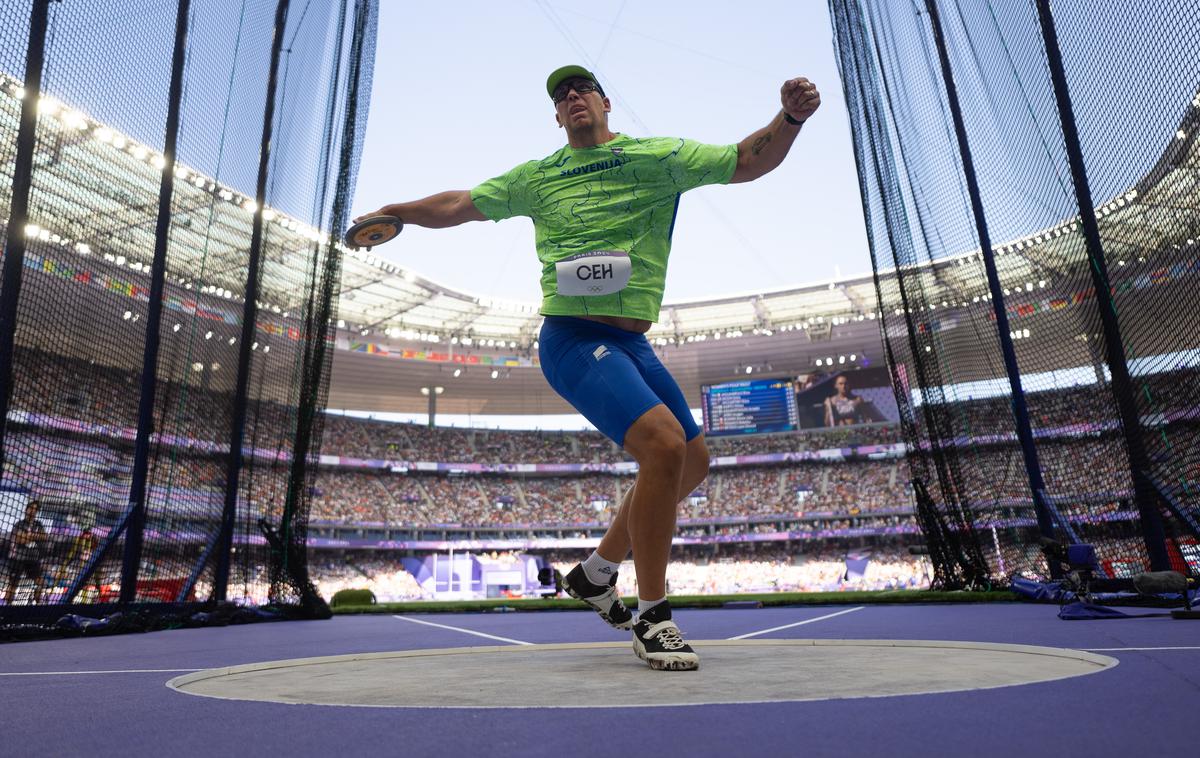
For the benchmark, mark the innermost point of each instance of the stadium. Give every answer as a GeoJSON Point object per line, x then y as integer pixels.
{"type": "Point", "coordinates": [183, 342]}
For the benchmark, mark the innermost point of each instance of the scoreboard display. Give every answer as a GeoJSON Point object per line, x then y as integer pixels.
{"type": "Point", "coordinates": [753, 406]}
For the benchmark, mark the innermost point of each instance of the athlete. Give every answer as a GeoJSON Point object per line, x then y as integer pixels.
{"type": "Point", "coordinates": [843, 408]}
{"type": "Point", "coordinates": [603, 209]}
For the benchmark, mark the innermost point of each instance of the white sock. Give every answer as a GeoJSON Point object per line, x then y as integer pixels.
{"type": "Point", "coordinates": [645, 605]}
{"type": "Point", "coordinates": [598, 570]}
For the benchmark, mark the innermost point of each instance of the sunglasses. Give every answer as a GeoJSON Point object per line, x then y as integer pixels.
{"type": "Point", "coordinates": [583, 87]}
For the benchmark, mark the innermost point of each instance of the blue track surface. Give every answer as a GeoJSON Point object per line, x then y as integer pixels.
{"type": "Point", "coordinates": [1144, 706]}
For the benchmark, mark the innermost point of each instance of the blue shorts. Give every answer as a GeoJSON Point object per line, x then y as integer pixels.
{"type": "Point", "coordinates": [609, 375]}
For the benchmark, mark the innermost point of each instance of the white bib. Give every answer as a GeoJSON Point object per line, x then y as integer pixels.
{"type": "Point", "coordinates": [600, 272]}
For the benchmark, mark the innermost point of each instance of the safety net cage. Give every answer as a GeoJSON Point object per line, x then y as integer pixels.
{"type": "Point", "coordinates": [173, 176]}
{"type": "Point", "coordinates": [1029, 183]}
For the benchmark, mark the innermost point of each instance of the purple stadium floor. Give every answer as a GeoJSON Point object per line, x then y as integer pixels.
{"type": "Point", "coordinates": [107, 696]}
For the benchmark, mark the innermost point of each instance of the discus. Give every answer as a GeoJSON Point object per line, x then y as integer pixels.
{"type": "Point", "coordinates": [373, 230]}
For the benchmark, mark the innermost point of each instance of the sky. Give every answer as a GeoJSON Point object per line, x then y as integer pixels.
{"type": "Point", "coordinates": [459, 96]}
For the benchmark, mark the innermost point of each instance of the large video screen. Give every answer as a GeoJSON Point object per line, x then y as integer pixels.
{"type": "Point", "coordinates": [846, 398]}
{"type": "Point", "coordinates": [753, 406]}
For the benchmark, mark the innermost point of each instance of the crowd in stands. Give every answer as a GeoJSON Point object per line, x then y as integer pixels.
{"type": "Point", "coordinates": [107, 397]}
{"type": "Point", "coordinates": [816, 439]}
{"type": "Point", "coordinates": [776, 570]}
{"type": "Point", "coordinates": [84, 466]}
{"type": "Point", "coordinates": [1084, 475]}
{"type": "Point", "coordinates": [737, 569]}
{"type": "Point", "coordinates": [502, 500]}
{"type": "Point", "coordinates": [84, 477]}
{"type": "Point", "coordinates": [89, 391]}
{"type": "Point", "coordinates": [1075, 469]}
{"type": "Point", "coordinates": [351, 497]}
{"type": "Point", "coordinates": [868, 486]}
{"type": "Point", "coordinates": [1161, 393]}
{"type": "Point", "coordinates": [1048, 410]}
{"type": "Point", "coordinates": [884, 564]}
{"type": "Point", "coordinates": [572, 500]}
{"type": "Point", "coordinates": [748, 492]}
{"type": "Point", "coordinates": [353, 437]}
{"type": "Point", "coordinates": [499, 446]}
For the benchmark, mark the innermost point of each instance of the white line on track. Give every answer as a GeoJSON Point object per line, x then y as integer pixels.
{"type": "Point", "coordinates": [1119, 649]}
{"type": "Point", "coordinates": [464, 631]}
{"type": "Point", "coordinates": [109, 671]}
{"type": "Point", "coordinates": [798, 623]}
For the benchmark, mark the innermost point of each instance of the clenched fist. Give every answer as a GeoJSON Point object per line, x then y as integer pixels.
{"type": "Point", "coordinates": [800, 98]}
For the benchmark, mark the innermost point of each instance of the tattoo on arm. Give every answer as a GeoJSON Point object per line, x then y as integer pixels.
{"type": "Point", "coordinates": [760, 143]}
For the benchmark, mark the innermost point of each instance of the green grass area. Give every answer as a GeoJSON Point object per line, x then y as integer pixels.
{"type": "Point", "coordinates": [690, 601]}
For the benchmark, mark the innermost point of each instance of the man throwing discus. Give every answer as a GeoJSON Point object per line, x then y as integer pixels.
{"type": "Point", "coordinates": [603, 209]}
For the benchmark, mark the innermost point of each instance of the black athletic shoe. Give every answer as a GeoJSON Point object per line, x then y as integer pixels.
{"type": "Point", "coordinates": [657, 641]}
{"type": "Point", "coordinates": [603, 598]}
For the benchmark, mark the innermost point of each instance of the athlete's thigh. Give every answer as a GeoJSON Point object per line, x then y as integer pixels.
{"type": "Point", "coordinates": [598, 379]}
{"type": "Point", "coordinates": [666, 389]}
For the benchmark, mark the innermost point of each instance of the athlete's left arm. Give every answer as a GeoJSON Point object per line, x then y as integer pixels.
{"type": "Point", "coordinates": [766, 148]}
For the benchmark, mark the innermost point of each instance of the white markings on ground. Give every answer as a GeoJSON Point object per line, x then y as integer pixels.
{"type": "Point", "coordinates": [1119, 649]}
{"type": "Point", "coordinates": [798, 623]}
{"type": "Point", "coordinates": [460, 629]}
{"type": "Point", "coordinates": [108, 671]}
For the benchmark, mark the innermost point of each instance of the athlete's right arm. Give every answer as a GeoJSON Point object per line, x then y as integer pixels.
{"type": "Point", "coordinates": [438, 211]}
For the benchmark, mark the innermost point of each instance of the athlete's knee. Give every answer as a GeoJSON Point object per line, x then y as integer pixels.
{"type": "Point", "coordinates": [665, 449]}
{"type": "Point", "coordinates": [657, 440]}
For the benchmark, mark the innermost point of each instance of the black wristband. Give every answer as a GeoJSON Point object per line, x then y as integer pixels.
{"type": "Point", "coordinates": [788, 118]}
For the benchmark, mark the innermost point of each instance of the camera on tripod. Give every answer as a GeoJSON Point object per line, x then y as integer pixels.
{"type": "Point", "coordinates": [1077, 563]}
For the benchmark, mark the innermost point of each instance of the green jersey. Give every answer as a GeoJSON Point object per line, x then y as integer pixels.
{"type": "Point", "coordinates": [603, 218]}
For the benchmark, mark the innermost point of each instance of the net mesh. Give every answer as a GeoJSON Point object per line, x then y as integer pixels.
{"type": "Point", "coordinates": [211, 525]}
{"type": "Point", "coordinates": [1133, 85]}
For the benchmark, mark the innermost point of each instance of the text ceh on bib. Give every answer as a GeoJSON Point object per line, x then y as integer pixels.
{"type": "Point", "coordinates": [600, 272]}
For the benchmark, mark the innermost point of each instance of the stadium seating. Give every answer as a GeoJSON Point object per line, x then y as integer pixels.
{"type": "Point", "coordinates": [93, 458]}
